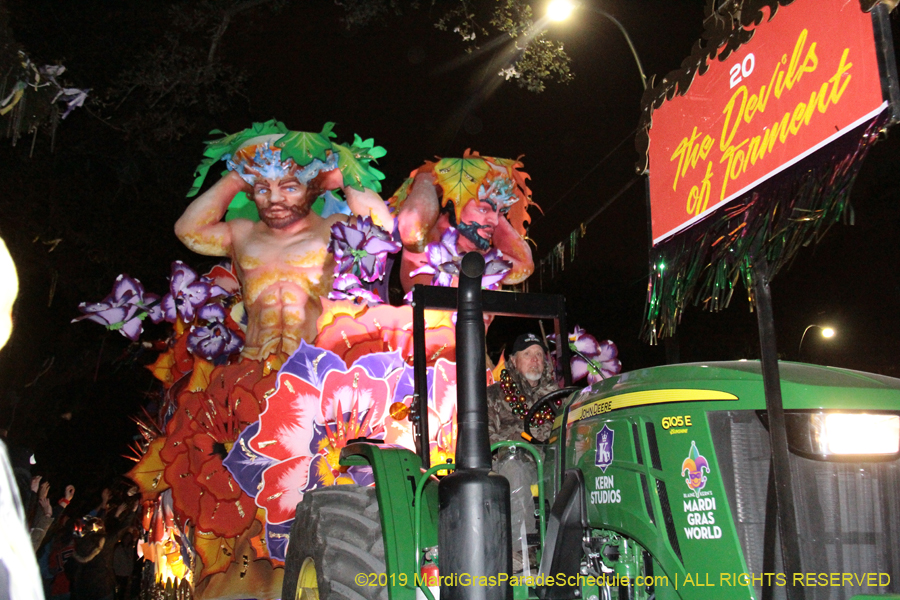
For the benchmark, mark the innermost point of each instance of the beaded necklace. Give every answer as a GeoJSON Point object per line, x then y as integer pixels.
{"type": "Point", "coordinates": [516, 400]}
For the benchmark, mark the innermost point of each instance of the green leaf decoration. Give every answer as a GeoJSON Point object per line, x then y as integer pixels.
{"type": "Point", "coordinates": [355, 164]}
{"type": "Point", "coordinates": [459, 179]}
{"type": "Point", "coordinates": [217, 149]}
{"type": "Point", "coordinates": [327, 131]}
{"type": "Point", "coordinates": [367, 148]}
{"type": "Point", "coordinates": [303, 147]}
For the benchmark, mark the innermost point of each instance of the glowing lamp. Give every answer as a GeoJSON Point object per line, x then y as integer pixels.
{"type": "Point", "coordinates": [399, 411]}
{"type": "Point", "coordinates": [560, 10]}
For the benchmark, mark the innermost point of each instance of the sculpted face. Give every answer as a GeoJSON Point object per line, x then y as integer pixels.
{"type": "Point", "coordinates": [529, 362]}
{"type": "Point", "coordinates": [281, 201]}
{"type": "Point", "coordinates": [477, 222]}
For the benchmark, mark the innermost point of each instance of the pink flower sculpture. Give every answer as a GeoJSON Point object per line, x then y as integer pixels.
{"type": "Point", "coordinates": [318, 407]}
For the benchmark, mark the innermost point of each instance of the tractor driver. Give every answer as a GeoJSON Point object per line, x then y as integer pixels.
{"type": "Point", "coordinates": [528, 377]}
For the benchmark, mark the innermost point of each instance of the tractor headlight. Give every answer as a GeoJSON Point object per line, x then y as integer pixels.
{"type": "Point", "coordinates": [841, 436]}
{"type": "Point", "coordinates": [860, 433]}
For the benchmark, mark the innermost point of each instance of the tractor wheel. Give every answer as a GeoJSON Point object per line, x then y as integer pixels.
{"type": "Point", "coordinates": [336, 544]}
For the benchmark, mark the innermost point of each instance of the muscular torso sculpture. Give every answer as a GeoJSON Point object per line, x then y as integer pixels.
{"type": "Point", "coordinates": [282, 260]}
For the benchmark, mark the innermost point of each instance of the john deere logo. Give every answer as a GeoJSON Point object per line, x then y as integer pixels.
{"type": "Point", "coordinates": [604, 456]}
{"type": "Point", "coordinates": [694, 465]}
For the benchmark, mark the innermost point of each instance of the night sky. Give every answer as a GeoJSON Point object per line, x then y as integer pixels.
{"type": "Point", "coordinates": [112, 198]}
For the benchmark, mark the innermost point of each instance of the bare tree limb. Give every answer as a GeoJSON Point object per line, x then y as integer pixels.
{"type": "Point", "coordinates": [226, 20]}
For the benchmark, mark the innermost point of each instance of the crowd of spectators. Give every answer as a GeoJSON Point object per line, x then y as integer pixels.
{"type": "Point", "coordinates": [85, 550]}
{"type": "Point", "coordinates": [83, 555]}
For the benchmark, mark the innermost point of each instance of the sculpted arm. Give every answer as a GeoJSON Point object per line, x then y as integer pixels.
{"type": "Point", "coordinates": [516, 250]}
{"type": "Point", "coordinates": [366, 203]}
{"type": "Point", "coordinates": [419, 213]}
{"type": "Point", "coordinates": [200, 228]}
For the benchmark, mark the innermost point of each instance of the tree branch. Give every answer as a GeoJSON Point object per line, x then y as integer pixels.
{"type": "Point", "coordinates": [226, 20]}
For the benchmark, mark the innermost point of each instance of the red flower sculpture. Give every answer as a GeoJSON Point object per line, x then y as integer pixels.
{"type": "Point", "coordinates": [199, 436]}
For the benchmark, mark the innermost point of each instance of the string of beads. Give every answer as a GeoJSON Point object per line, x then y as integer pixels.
{"type": "Point", "coordinates": [517, 403]}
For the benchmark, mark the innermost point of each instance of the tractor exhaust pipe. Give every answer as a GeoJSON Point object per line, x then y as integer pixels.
{"type": "Point", "coordinates": [474, 538]}
{"type": "Point", "coordinates": [473, 447]}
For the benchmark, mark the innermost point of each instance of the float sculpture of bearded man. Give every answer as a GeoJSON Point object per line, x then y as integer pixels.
{"type": "Point", "coordinates": [281, 260]}
{"type": "Point", "coordinates": [484, 199]}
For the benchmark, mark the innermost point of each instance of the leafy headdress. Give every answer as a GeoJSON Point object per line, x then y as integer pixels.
{"type": "Point", "coordinates": [474, 177]}
{"type": "Point", "coordinates": [272, 146]}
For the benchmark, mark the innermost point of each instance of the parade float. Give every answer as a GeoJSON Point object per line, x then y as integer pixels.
{"type": "Point", "coordinates": [289, 348]}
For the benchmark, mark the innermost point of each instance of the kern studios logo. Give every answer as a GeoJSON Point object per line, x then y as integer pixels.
{"type": "Point", "coordinates": [693, 465]}
{"type": "Point", "coordinates": [604, 456]}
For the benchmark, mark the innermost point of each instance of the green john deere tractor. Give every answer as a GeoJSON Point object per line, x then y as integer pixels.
{"type": "Point", "coordinates": [655, 484]}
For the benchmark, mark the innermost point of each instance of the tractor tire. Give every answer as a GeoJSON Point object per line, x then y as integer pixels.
{"type": "Point", "coordinates": [336, 543]}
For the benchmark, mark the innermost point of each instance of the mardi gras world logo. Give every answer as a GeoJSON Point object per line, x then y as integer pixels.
{"type": "Point", "coordinates": [693, 465]}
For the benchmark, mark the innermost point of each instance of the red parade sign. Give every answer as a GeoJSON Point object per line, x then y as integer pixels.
{"type": "Point", "coordinates": [806, 77]}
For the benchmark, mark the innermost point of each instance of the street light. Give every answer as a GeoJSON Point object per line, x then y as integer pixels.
{"type": "Point", "coordinates": [827, 332]}
{"type": "Point", "coordinates": [560, 10]}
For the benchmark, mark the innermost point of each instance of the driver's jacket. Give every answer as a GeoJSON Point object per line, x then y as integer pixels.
{"type": "Point", "coordinates": [502, 423]}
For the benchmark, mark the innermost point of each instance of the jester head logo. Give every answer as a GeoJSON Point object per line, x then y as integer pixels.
{"type": "Point", "coordinates": [694, 465]}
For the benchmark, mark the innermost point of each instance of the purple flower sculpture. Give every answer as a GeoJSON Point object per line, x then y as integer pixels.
{"type": "Point", "coordinates": [361, 249]}
{"type": "Point", "coordinates": [349, 287]}
{"type": "Point", "coordinates": [495, 269]}
{"type": "Point", "coordinates": [444, 260]}
{"type": "Point", "coordinates": [187, 293]}
{"type": "Point", "coordinates": [214, 339]}
{"type": "Point", "coordinates": [596, 360]}
{"type": "Point", "coordinates": [124, 308]}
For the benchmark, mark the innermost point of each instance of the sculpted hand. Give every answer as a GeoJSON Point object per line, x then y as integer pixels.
{"type": "Point", "coordinates": [331, 180]}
